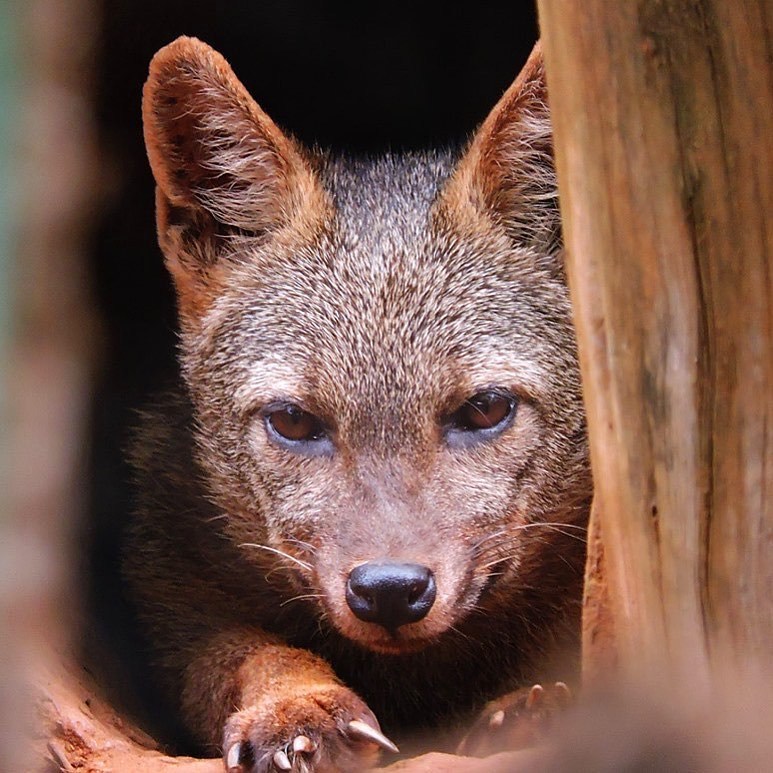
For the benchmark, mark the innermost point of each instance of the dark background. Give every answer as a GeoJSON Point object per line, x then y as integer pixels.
{"type": "Point", "coordinates": [361, 78]}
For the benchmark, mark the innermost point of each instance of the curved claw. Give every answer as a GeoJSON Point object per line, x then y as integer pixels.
{"type": "Point", "coordinates": [232, 758]}
{"type": "Point", "coordinates": [304, 745]}
{"type": "Point", "coordinates": [564, 694]}
{"type": "Point", "coordinates": [535, 696]}
{"type": "Point", "coordinates": [496, 720]}
{"type": "Point", "coordinates": [282, 761]}
{"type": "Point", "coordinates": [364, 731]}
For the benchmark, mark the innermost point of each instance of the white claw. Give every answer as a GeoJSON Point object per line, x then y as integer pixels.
{"type": "Point", "coordinates": [535, 695]}
{"type": "Point", "coordinates": [232, 758]}
{"type": "Point", "coordinates": [496, 719]}
{"type": "Point", "coordinates": [303, 745]}
{"type": "Point", "coordinates": [364, 731]}
{"type": "Point", "coordinates": [563, 689]}
{"type": "Point", "coordinates": [282, 761]}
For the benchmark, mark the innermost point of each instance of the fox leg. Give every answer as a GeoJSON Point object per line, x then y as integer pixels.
{"type": "Point", "coordinates": [272, 707]}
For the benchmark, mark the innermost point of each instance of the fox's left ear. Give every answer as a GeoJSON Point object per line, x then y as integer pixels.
{"type": "Point", "coordinates": [508, 171]}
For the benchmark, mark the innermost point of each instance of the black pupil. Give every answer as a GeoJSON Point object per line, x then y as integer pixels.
{"type": "Point", "coordinates": [294, 424]}
{"type": "Point", "coordinates": [484, 411]}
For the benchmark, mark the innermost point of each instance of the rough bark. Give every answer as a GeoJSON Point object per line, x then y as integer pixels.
{"type": "Point", "coordinates": [82, 732]}
{"type": "Point", "coordinates": [663, 118]}
{"type": "Point", "coordinates": [599, 645]}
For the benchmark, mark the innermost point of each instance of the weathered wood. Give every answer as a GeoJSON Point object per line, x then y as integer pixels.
{"type": "Point", "coordinates": [82, 732]}
{"type": "Point", "coordinates": [663, 117]}
{"type": "Point", "coordinates": [599, 643]}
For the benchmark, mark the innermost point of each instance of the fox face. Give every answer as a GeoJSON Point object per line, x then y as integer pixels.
{"type": "Point", "coordinates": [379, 353]}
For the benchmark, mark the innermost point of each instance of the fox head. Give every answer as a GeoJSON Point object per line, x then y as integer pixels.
{"type": "Point", "coordinates": [379, 352]}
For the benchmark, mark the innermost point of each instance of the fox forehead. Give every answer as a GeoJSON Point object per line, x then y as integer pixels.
{"type": "Point", "coordinates": [383, 339]}
{"type": "Point", "coordinates": [382, 246]}
{"type": "Point", "coordinates": [385, 201]}
{"type": "Point", "coordinates": [277, 377]}
{"type": "Point", "coordinates": [388, 300]}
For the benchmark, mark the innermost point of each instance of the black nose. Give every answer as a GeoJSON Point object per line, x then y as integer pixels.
{"type": "Point", "coordinates": [389, 593]}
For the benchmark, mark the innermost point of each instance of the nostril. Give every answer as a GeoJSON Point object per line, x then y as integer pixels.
{"type": "Point", "coordinates": [418, 591]}
{"type": "Point", "coordinates": [390, 594]}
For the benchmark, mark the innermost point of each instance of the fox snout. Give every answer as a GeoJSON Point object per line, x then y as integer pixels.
{"type": "Point", "coordinates": [393, 598]}
{"type": "Point", "coordinates": [390, 594]}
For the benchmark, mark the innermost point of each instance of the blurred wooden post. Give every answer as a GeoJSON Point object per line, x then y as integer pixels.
{"type": "Point", "coordinates": [12, 699]}
{"type": "Point", "coordinates": [663, 117]}
{"type": "Point", "coordinates": [51, 339]}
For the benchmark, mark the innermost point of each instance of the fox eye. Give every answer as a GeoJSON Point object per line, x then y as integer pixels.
{"type": "Point", "coordinates": [482, 416]}
{"type": "Point", "coordinates": [295, 428]}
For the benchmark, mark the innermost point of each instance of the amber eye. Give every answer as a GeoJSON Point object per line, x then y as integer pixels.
{"type": "Point", "coordinates": [484, 414]}
{"type": "Point", "coordinates": [289, 422]}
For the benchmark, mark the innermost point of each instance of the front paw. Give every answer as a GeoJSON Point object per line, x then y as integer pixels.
{"type": "Point", "coordinates": [327, 728]}
{"type": "Point", "coordinates": [515, 721]}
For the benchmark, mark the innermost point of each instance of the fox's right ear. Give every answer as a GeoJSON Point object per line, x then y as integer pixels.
{"type": "Point", "coordinates": [221, 164]}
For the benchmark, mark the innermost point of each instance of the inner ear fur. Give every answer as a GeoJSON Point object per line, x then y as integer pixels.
{"type": "Point", "coordinates": [508, 170]}
{"type": "Point", "coordinates": [220, 163]}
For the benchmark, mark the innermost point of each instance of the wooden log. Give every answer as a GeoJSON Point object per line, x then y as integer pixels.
{"type": "Point", "coordinates": [82, 732]}
{"type": "Point", "coordinates": [79, 731]}
{"type": "Point", "coordinates": [663, 119]}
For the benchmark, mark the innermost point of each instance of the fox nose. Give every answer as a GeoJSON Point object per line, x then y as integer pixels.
{"type": "Point", "coordinates": [390, 594]}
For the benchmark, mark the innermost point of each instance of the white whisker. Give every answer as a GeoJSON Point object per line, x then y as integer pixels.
{"type": "Point", "coordinates": [303, 596]}
{"type": "Point", "coordinates": [557, 527]}
{"type": "Point", "coordinates": [479, 544]}
{"type": "Point", "coordinates": [306, 545]}
{"type": "Point", "coordinates": [308, 567]}
{"type": "Point", "coordinates": [500, 560]}
{"type": "Point", "coordinates": [561, 528]}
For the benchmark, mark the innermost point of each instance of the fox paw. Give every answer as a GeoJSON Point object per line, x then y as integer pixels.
{"type": "Point", "coordinates": [329, 729]}
{"type": "Point", "coordinates": [515, 721]}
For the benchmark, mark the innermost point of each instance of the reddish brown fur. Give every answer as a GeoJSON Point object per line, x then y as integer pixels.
{"type": "Point", "coordinates": [379, 295]}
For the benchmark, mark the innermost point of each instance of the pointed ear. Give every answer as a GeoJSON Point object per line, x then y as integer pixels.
{"type": "Point", "coordinates": [222, 167]}
{"type": "Point", "coordinates": [507, 170]}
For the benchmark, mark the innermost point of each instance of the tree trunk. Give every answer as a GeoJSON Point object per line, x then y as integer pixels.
{"type": "Point", "coordinates": [663, 119]}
